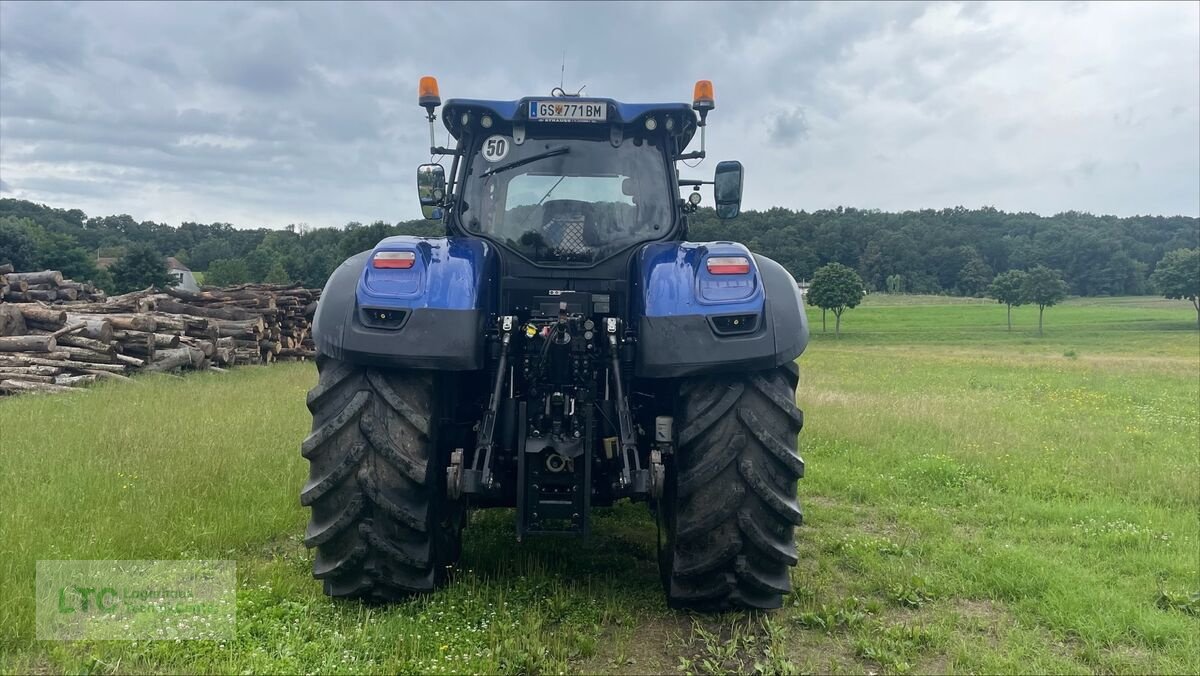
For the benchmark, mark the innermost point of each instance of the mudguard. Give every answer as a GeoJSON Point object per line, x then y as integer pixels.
{"type": "Point", "coordinates": [429, 315]}
{"type": "Point", "coordinates": [692, 321]}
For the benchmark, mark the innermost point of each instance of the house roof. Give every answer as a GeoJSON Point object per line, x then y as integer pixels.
{"type": "Point", "coordinates": [174, 264]}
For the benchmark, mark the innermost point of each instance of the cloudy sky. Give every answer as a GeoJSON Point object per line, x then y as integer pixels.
{"type": "Point", "coordinates": [273, 114]}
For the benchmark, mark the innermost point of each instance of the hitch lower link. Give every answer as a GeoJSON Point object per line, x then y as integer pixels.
{"type": "Point", "coordinates": [479, 478]}
{"type": "Point", "coordinates": [633, 480]}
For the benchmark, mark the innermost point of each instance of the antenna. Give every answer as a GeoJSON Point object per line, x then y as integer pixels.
{"type": "Point", "coordinates": [562, 77]}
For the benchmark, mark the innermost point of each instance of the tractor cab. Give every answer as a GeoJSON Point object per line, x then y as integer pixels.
{"type": "Point", "coordinates": [565, 180]}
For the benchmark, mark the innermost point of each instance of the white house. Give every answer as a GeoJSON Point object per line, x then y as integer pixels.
{"type": "Point", "coordinates": [187, 281]}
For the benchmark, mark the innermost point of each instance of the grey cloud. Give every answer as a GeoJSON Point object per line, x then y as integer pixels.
{"type": "Point", "coordinates": [788, 127]}
{"type": "Point", "coordinates": [275, 113]}
{"type": "Point", "coordinates": [48, 34]}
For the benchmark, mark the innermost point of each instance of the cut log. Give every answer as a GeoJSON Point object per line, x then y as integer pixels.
{"type": "Point", "coordinates": [173, 306]}
{"type": "Point", "coordinates": [6, 268]}
{"type": "Point", "coordinates": [134, 301]}
{"type": "Point", "coordinates": [170, 323]}
{"type": "Point", "coordinates": [159, 339]}
{"type": "Point", "coordinates": [87, 343]}
{"type": "Point", "coordinates": [126, 322]}
{"type": "Point", "coordinates": [168, 360]}
{"type": "Point", "coordinates": [52, 277]}
{"type": "Point", "coordinates": [43, 295]}
{"type": "Point", "coordinates": [26, 377]}
{"type": "Point", "coordinates": [206, 347]}
{"type": "Point", "coordinates": [34, 312]}
{"type": "Point", "coordinates": [105, 375]}
{"type": "Point", "coordinates": [27, 344]}
{"type": "Point", "coordinates": [12, 322]}
{"type": "Point", "coordinates": [72, 328]}
{"type": "Point", "coordinates": [96, 328]}
{"type": "Point", "coordinates": [84, 354]}
{"type": "Point", "coordinates": [37, 388]}
{"type": "Point", "coordinates": [75, 381]}
{"type": "Point", "coordinates": [61, 362]}
{"type": "Point", "coordinates": [249, 327]}
{"type": "Point", "coordinates": [298, 353]}
{"type": "Point", "coordinates": [139, 345]}
{"type": "Point", "coordinates": [29, 370]}
{"type": "Point", "coordinates": [132, 361]}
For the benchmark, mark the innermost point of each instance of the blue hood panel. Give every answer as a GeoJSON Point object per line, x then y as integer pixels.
{"type": "Point", "coordinates": [675, 281]}
{"type": "Point", "coordinates": [450, 273]}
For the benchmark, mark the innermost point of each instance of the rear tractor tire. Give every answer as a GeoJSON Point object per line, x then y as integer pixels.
{"type": "Point", "coordinates": [729, 510]}
{"type": "Point", "coordinates": [380, 521]}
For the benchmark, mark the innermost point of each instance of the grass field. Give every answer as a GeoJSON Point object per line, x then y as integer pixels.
{"type": "Point", "coordinates": [976, 501]}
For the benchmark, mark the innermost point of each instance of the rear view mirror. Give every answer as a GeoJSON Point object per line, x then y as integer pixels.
{"type": "Point", "coordinates": [431, 189]}
{"type": "Point", "coordinates": [727, 188]}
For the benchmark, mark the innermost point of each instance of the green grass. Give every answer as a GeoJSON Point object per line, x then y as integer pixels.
{"type": "Point", "coordinates": [976, 501]}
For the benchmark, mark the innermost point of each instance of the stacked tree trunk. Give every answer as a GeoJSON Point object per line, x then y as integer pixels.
{"type": "Point", "coordinates": [51, 347]}
{"type": "Point", "coordinates": [271, 320]}
{"type": "Point", "coordinates": [45, 286]}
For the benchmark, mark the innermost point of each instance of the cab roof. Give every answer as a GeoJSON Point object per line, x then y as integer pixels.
{"type": "Point", "coordinates": [683, 118]}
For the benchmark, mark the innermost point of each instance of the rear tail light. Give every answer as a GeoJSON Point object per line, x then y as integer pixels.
{"type": "Point", "coordinates": [402, 260]}
{"type": "Point", "coordinates": [729, 265]}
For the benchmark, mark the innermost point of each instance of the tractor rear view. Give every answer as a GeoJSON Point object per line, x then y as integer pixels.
{"type": "Point", "coordinates": [561, 348]}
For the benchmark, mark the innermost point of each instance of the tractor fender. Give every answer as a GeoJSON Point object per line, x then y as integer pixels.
{"type": "Point", "coordinates": [429, 315]}
{"type": "Point", "coordinates": [686, 315]}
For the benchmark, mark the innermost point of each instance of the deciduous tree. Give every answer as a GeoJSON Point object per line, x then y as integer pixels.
{"type": "Point", "coordinates": [140, 267]}
{"type": "Point", "coordinates": [1043, 287]}
{"type": "Point", "coordinates": [1178, 276]}
{"type": "Point", "coordinates": [1006, 288]}
{"type": "Point", "coordinates": [226, 272]}
{"type": "Point", "coordinates": [837, 288]}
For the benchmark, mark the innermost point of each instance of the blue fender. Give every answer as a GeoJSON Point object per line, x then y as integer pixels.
{"type": "Point", "coordinates": [691, 321]}
{"type": "Point", "coordinates": [430, 315]}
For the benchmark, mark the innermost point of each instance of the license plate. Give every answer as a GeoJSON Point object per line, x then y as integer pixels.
{"type": "Point", "coordinates": [568, 111]}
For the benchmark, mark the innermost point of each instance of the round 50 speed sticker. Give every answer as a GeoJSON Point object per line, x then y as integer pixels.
{"type": "Point", "coordinates": [495, 148]}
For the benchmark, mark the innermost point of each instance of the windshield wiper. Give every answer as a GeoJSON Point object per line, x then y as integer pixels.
{"type": "Point", "coordinates": [560, 150]}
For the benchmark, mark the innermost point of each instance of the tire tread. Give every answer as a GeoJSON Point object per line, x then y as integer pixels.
{"type": "Point", "coordinates": [735, 507]}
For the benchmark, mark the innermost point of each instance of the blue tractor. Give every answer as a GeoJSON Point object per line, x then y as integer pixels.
{"type": "Point", "coordinates": [560, 348]}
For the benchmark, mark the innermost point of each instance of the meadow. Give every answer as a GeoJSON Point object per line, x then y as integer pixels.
{"type": "Point", "coordinates": [976, 500]}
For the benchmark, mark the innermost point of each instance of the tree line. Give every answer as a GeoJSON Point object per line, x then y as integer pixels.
{"type": "Point", "coordinates": [959, 251]}
{"type": "Point", "coordinates": [837, 288]}
{"type": "Point", "coordinates": [948, 251]}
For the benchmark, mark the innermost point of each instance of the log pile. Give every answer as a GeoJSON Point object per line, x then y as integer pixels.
{"type": "Point", "coordinates": [52, 347]}
{"type": "Point", "coordinates": [45, 286]}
